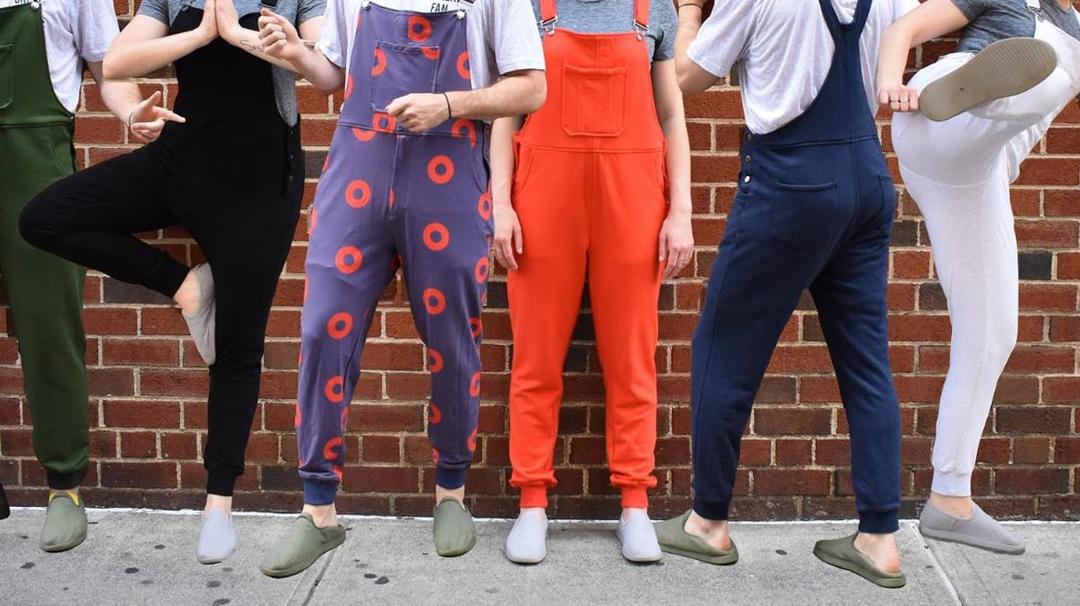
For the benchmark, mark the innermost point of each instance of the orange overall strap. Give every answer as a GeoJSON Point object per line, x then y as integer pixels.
{"type": "Point", "coordinates": [549, 13]}
{"type": "Point", "coordinates": [641, 14]}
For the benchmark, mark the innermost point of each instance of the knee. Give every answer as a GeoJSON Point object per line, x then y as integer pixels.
{"type": "Point", "coordinates": [35, 223]}
{"type": "Point", "coordinates": [991, 346]}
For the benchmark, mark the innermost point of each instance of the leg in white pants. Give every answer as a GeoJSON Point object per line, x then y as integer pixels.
{"type": "Point", "coordinates": [959, 171]}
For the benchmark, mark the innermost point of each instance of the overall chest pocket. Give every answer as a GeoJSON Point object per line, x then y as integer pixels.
{"type": "Point", "coordinates": [401, 69]}
{"type": "Point", "coordinates": [803, 216]}
{"type": "Point", "coordinates": [7, 75]}
{"type": "Point", "coordinates": [594, 101]}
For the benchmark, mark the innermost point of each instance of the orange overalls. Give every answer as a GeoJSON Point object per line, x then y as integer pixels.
{"type": "Point", "coordinates": [590, 190]}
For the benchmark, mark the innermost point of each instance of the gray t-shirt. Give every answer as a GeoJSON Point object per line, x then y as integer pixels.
{"type": "Point", "coordinates": [296, 10]}
{"type": "Point", "coordinates": [993, 20]}
{"type": "Point", "coordinates": [616, 16]}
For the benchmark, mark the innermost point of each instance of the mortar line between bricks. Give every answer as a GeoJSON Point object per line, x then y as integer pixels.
{"type": "Point", "coordinates": [938, 566]}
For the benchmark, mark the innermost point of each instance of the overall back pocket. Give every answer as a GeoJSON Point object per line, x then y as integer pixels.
{"type": "Point", "coordinates": [803, 217]}
{"type": "Point", "coordinates": [401, 69]}
{"type": "Point", "coordinates": [594, 101]}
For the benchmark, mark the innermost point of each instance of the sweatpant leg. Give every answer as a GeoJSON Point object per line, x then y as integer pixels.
{"type": "Point", "coordinates": [90, 217]}
{"type": "Point", "coordinates": [444, 238]}
{"type": "Point", "coordinates": [627, 211]}
{"type": "Point", "coordinates": [754, 286]}
{"type": "Point", "coordinates": [45, 296]}
{"type": "Point", "coordinates": [351, 258]}
{"type": "Point", "coordinates": [545, 297]}
{"type": "Point", "coordinates": [850, 295]}
{"type": "Point", "coordinates": [975, 253]}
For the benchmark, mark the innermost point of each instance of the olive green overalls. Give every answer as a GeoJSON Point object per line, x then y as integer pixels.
{"type": "Point", "coordinates": [44, 291]}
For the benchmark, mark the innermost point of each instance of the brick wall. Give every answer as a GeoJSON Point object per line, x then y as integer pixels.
{"type": "Point", "coordinates": [148, 386]}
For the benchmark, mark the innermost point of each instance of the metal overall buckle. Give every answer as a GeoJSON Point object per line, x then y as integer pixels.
{"type": "Point", "coordinates": [463, 8]}
{"type": "Point", "coordinates": [640, 29]}
{"type": "Point", "coordinates": [549, 25]}
{"type": "Point", "coordinates": [35, 5]}
{"type": "Point", "coordinates": [1036, 9]}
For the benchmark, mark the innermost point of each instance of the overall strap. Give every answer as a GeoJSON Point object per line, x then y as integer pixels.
{"type": "Point", "coordinates": [641, 16]}
{"type": "Point", "coordinates": [549, 15]}
{"type": "Point", "coordinates": [862, 12]}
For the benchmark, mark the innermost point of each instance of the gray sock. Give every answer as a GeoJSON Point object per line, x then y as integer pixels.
{"type": "Point", "coordinates": [980, 530]}
{"type": "Point", "coordinates": [217, 538]}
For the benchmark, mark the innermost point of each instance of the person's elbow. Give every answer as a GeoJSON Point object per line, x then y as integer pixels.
{"type": "Point", "coordinates": [691, 77]}
{"type": "Point", "coordinates": [110, 70]}
{"type": "Point", "coordinates": [535, 91]}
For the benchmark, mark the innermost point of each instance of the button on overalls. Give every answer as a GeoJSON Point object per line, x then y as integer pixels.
{"type": "Point", "coordinates": [44, 291]}
{"type": "Point", "coordinates": [390, 197]}
{"type": "Point", "coordinates": [590, 191]}
{"type": "Point", "coordinates": [814, 211]}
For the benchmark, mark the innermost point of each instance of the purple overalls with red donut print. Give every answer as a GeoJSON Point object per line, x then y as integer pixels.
{"type": "Point", "coordinates": [389, 199]}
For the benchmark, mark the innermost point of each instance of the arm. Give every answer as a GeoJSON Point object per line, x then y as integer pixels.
{"type": "Point", "coordinates": [931, 19]}
{"type": "Point", "coordinates": [248, 40]}
{"type": "Point", "coordinates": [141, 117]}
{"type": "Point", "coordinates": [677, 235]}
{"type": "Point", "coordinates": [508, 240]}
{"type": "Point", "coordinates": [691, 77]}
{"type": "Point", "coordinates": [145, 45]}
{"type": "Point", "coordinates": [516, 93]}
{"type": "Point", "coordinates": [278, 38]}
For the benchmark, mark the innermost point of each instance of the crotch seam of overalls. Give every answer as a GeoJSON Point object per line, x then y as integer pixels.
{"type": "Point", "coordinates": [592, 150]}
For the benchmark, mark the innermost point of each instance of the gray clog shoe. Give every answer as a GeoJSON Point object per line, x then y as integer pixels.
{"type": "Point", "coordinates": [301, 547]}
{"type": "Point", "coordinates": [65, 523]}
{"type": "Point", "coordinates": [674, 539]}
{"type": "Point", "coordinates": [454, 530]}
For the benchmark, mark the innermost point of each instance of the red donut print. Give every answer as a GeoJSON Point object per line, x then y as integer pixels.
{"type": "Point", "coordinates": [380, 62]}
{"type": "Point", "coordinates": [434, 301]}
{"type": "Point", "coordinates": [339, 326]}
{"type": "Point", "coordinates": [434, 414]}
{"type": "Point", "coordinates": [472, 441]}
{"type": "Point", "coordinates": [483, 206]}
{"type": "Point", "coordinates": [363, 134]}
{"type": "Point", "coordinates": [419, 28]}
{"type": "Point", "coordinates": [384, 122]}
{"type": "Point", "coordinates": [463, 65]}
{"type": "Point", "coordinates": [358, 194]}
{"type": "Point", "coordinates": [393, 200]}
{"type": "Point", "coordinates": [339, 472]}
{"type": "Point", "coordinates": [335, 389]}
{"type": "Point", "coordinates": [482, 267]}
{"type": "Point", "coordinates": [435, 361]}
{"type": "Point", "coordinates": [440, 170]}
{"type": "Point", "coordinates": [348, 259]}
{"type": "Point", "coordinates": [464, 128]}
{"type": "Point", "coordinates": [474, 385]}
{"type": "Point", "coordinates": [436, 236]}
{"type": "Point", "coordinates": [344, 418]}
{"type": "Point", "coordinates": [431, 52]}
{"type": "Point", "coordinates": [348, 86]}
{"type": "Point", "coordinates": [330, 450]}
{"type": "Point", "coordinates": [435, 456]}
{"type": "Point", "coordinates": [298, 418]}
{"type": "Point", "coordinates": [477, 327]}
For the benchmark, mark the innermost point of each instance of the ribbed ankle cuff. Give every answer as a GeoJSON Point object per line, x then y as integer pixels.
{"type": "Point", "coordinates": [534, 496]}
{"type": "Point", "coordinates": [64, 481]}
{"type": "Point", "coordinates": [319, 493]}
{"type": "Point", "coordinates": [878, 522]}
{"type": "Point", "coordinates": [450, 478]}
{"type": "Point", "coordinates": [712, 510]}
{"type": "Point", "coordinates": [635, 497]}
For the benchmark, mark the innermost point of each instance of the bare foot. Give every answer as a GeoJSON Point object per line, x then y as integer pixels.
{"type": "Point", "coordinates": [187, 296]}
{"type": "Point", "coordinates": [441, 494]}
{"type": "Point", "coordinates": [714, 532]}
{"type": "Point", "coordinates": [957, 507]}
{"type": "Point", "coordinates": [881, 549]}
{"type": "Point", "coordinates": [219, 503]}
{"type": "Point", "coordinates": [322, 515]}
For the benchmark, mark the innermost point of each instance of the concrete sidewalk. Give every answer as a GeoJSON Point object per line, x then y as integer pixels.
{"type": "Point", "coordinates": [144, 557]}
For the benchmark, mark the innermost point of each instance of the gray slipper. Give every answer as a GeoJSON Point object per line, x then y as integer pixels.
{"type": "Point", "coordinates": [843, 554]}
{"type": "Point", "coordinates": [201, 324]}
{"type": "Point", "coordinates": [300, 548]}
{"type": "Point", "coordinates": [217, 538]}
{"type": "Point", "coordinates": [65, 523]}
{"type": "Point", "coordinates": [454, 530]}
{"type": "Point", "coordinates": [674, 539]}
{"type": "Point", "coordinates": [1002, 69]}
{"type": "Point", "coordinates": [980, 530]}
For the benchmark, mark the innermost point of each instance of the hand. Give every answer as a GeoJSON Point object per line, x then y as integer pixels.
{"type": "Point", "coordinates": [147, 120]}
{"type": "Point", "coordinates": [507, 236]}
{"type": "Point", "coordinates": [228, 21]}
{"type": "Point", "coordinates": [419, 112]}
{"type": "Point", "coordinates": [899, 98]}
{"type": "Point", "coordinates": [208, 29]}
{"type": "Point", "coordinates": [676, 243]}
{"type": "Point", "coordinates": [278, 36]}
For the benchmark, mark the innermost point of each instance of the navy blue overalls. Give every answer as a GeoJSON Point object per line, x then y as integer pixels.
{"type": "Point", "coordinates": [814, 210]}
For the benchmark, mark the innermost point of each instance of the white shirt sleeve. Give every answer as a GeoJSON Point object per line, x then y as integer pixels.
{"type": "Point", "coordinates": [93, 27]}
{"type": "Point", "coordinates": [513, 37]}
{"type": "Point", "coordinates": [903, 7]}
{"type": "Point", "coordinates": [724, 37]}
{"type": "Point", "coordinates": [334, 37]}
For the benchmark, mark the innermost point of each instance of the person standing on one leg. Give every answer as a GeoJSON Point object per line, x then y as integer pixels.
{"type": "Point", "coordinates": [44, 48]}
{"type": "Point", "coordinates": [405, 184]}
{"type": "Point", "coordinates": [814, 210]}
{"type": "Point", "coordinates": [232, 175]}
{"type": "Point", "coordinates": [592, 199]}
{"type": "Point", "coordinates": [981, 110]}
